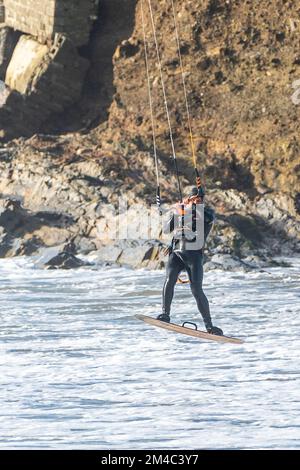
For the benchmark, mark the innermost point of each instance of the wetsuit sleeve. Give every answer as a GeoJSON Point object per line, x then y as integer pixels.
{"type": "Point", "coordinates": [168, 226]}
{"type": "Point", "coordinates": [209, 219]}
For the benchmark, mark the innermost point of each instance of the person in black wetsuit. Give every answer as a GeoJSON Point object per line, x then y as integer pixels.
{"type": "Point", "coordinates": [191, 224]}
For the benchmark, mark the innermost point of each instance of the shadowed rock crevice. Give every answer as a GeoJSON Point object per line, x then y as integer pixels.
{"type": "Point", "coordinates": [110, 35]}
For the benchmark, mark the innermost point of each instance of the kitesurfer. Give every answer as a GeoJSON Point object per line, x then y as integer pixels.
{"type": "Point", "coordinates": [191, 223]}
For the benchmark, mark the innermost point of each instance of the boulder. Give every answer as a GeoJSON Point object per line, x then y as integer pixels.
{"type": "Point", "coordinates": [138, 256]}
{"type": "Point", "coordinates": [84, 245]}
{"type": "Point", "coordinates": [10, 246]}
{"type": "Point", "coordinates": [28, 56]}
{"type": "Point", "coordinates": [23, 232]}
{"type": "Point", "coordinates": [65, 260]}
{"type": "Point", "coordinates": [12, 215]}
{"type": "Point", "coordinates": [44, 254]}
{"type": "Point", "coordinates": [107, 254]}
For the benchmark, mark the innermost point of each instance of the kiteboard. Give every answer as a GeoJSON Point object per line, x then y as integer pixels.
{"type": "Point", "coordinates": [188, 330]}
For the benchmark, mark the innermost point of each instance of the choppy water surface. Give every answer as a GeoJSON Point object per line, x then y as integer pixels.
{"type": "Point", "coordinates": [77, 371]}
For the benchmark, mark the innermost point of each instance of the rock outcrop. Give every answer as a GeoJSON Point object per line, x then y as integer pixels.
{"type": "Point", "coordinates": [65, 260]}
{"type": "Point", "coordinates": [74, 84]}
{"type": "Point", "coordinates": [40, 62]}
{"type": "Point", "coordinates": [242, 69]}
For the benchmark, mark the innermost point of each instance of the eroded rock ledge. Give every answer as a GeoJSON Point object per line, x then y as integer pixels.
{"type": "Point", "coordinates": [65, 199]}
{"type": "Point", "coordinates": [41, 68]}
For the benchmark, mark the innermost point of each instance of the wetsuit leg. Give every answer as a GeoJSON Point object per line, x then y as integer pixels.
{"type": "Point", "coordinates": [193, 261]}
{"type": "Point", "coordinates": [174, 267]}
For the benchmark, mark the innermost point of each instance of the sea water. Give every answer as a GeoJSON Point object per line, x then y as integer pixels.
{"type": "Point", "coordinates": [78, 371]}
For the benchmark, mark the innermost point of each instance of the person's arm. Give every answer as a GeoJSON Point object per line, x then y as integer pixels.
{"type": "Point", "coordinates": [209, 219]}
{"type": "Point", "coordinates": [168, 226]}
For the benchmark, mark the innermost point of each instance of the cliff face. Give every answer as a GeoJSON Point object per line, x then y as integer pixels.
{"type": "Point", "coordinates": [69, 191]}
{"type": "Point", "coordinates": [86, 85]}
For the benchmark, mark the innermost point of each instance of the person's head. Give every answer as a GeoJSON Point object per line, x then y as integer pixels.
{"type": "Point", "coordinates": [195, 197]}
{"type": "Point", "coordinates": [194, 192]}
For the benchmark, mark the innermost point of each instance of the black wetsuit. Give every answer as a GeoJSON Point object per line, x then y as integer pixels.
{"type": "Point", "coordinates": [192, 262]}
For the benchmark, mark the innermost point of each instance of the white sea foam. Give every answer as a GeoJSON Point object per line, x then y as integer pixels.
{"type": "Point", "coordinates": [77, 371]}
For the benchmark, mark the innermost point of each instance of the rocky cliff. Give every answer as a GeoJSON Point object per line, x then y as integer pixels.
{"type": "Point", "coordinates": [241, 62]}
{"type": "Point", "coordinates": [242, 69]}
